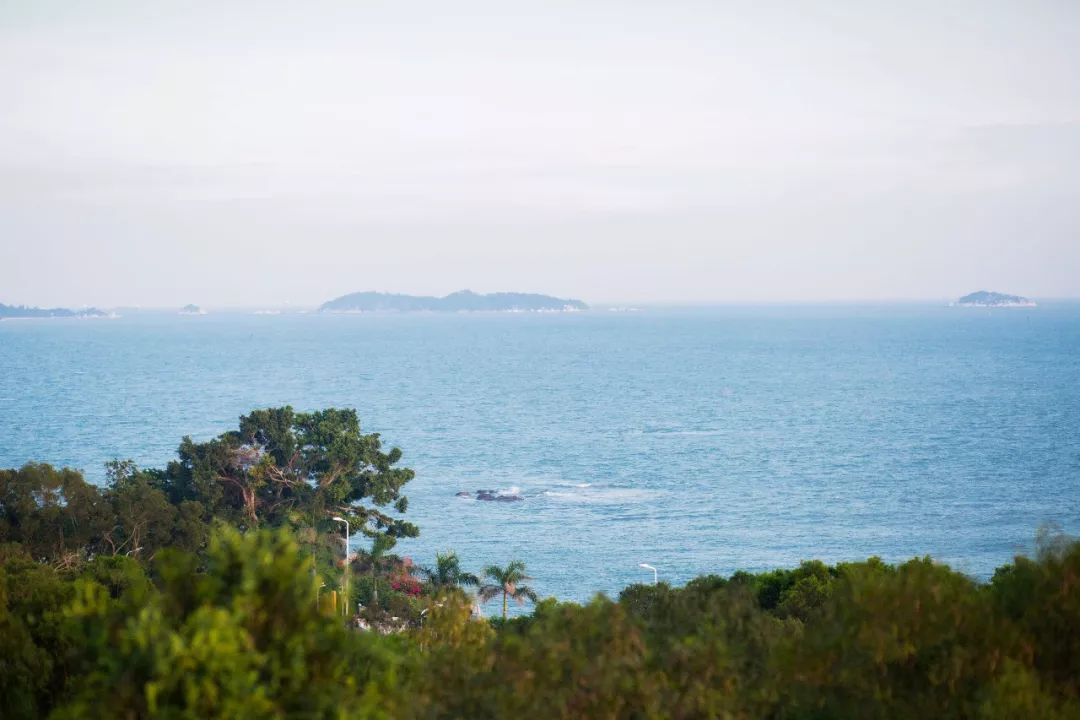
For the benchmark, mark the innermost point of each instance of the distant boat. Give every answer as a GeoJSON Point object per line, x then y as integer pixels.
{"type": "Point", "coordinates": [191, 310]}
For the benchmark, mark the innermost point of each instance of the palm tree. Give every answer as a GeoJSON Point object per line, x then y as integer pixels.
{"type": "Point", "coordinates": [381, 544]}
{"type": "Point", "coordinates": [447, 572]}
{"type": "Point", "coordinates": [507, 581]}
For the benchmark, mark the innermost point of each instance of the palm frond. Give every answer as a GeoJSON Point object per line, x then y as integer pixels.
{"type": "Point", "coordinates": [487, 592]}
{"type": "Point", "coordinates": [522, 593]}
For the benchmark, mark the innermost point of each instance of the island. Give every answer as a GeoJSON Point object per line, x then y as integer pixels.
{"type": "Point", "coordinates": [192, 310]}
{"type": "Point", "coordinates": [24, 311]}
{"type": "Point", "coordinates": [462, 301]}
{"type": "Point", "coordinates": [983, 298]}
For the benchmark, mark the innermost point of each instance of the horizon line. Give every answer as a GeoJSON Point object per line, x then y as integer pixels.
{"type": "Point", "coordinates": [603, 304]}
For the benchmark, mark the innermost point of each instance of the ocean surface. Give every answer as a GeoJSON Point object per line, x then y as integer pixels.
{"type": "Point", "coordinates": [698, 441]}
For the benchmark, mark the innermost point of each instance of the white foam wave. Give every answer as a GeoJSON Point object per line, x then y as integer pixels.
{"type": "Point", "coordinates": [586, 493]}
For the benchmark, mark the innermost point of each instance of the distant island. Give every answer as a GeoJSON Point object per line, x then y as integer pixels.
{"type": "Point", "coordinates": [462, 301]}
{"type": "Point", "coordinates": [23, 311]}
{"type": "Point", "coordinates": [984, 298]}
{"type": "Point", "coordinates": [192, 310]}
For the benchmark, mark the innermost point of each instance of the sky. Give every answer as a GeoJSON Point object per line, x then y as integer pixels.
{"type": "Point", "coordinates": [257, 154]}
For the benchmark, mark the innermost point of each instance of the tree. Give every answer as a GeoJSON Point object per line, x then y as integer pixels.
{"type": "Point", "coordinates": [571, 661]}
{"type": "Point", "coordinates": [380, 546]}
{"type": "Point", "coordinates": [242, 639]}
{"type": "Point", "coordinates": [447, 573]}
{"type": "Point", "coordinates": [507, 581]}
{"type": "Point", "coordinates": [34, 647]}
{"type": "Point", "coordinates": [287, 469]}
{"type": "Point", "coordinates": [1041, 597]}
{"type": "Point", "coordinates": [144, 519]}
{"type": "Point", "coordinates": [54, 514]}
{"type": "Point", "coordinates": [918, 640]}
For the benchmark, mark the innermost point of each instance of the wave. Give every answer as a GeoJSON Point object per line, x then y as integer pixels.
{"type": "Point", "coordinates": [586, 493]}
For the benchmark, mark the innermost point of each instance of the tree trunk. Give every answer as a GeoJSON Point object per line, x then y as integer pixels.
{"type": "Point", "coordinates": [504, 604]}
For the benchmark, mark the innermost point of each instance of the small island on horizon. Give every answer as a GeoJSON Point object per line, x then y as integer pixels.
{"type": "Point", "coordinates": [25, 311]}
{"type": "Point", "coordinates": [191, 310]}
{"type": "Point", "coordinates": [984, 298]}
{"type": "Point", "coordinates": [461, 301]}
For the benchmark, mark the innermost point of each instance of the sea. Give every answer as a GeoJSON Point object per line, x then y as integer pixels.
{"type": "Point", "coordinates": [693, 440]}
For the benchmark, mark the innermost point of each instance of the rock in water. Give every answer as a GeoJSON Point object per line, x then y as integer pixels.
{"type": "Point", "coordinates": [492, 496]}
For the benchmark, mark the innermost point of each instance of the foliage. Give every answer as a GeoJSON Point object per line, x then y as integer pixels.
{"type": "Point", "coordinates": [288, 469]}
{"type": "Point", "coordinates": [447, 573]}
{"type": "Point", "coordinates": [190, 592]}
{"type": "Point", "coordinates": [234, 632]}
{"type": "Point", "coordinates": [242, 639]}
{"type": "Point", "coordinates": [278, 469]}
{"type": "Point", "coordinates": [34, 643]}
{"type": "Point", "coordinates": [506, 582]}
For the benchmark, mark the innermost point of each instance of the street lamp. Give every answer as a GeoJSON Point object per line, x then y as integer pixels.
{"type": "Point", "coordinates": [345, 574]}
{"type": "Point", "coordinates": [649, 567]}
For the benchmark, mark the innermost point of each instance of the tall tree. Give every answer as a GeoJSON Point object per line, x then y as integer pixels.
{"type": "Point", "coordinates": [447, 573]}
{"type": "Point", "coordinates": [283, 468]}
{"type": "Point", "coordinates": [54, 514]}
{"type": "Point", "coordinates": [507, 581]}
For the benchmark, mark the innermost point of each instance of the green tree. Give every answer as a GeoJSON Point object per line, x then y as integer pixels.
{"type": "Point", "coordinates": [569, 662]}
{"type": "Point", "coordinates": [507, 581]}
{"type": "Point", "coordinates": [240, 640]}
{"type": "Point", "coordinates": [144, 521]}
{"type": "Point", "coordinates": [287, 469]}
{"type": "Point", "coordinates": [1041, 597]}
{"type": "Point", "coordinates": [918, 640]}
{"type": "Point", "coordinates": [711, 646]}
{"type": "Point", "coordinates": [447, 573]}
{"type": "Point", "coordinates": [35, 647]}
{"type": "Point", "coordinates": [55, 515]}
{"type": "Point", "coordinates": [374, 562]}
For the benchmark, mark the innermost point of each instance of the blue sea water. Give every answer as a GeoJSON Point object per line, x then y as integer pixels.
{"type": "Point", "coordinates": [699, 441]}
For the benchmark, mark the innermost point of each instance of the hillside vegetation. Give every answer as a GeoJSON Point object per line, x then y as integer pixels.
{"type": "Point", "coordinates": [200, 590]}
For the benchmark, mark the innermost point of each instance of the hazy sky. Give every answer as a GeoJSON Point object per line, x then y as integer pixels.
{"type": "Point", "coordinates": [230, 153]}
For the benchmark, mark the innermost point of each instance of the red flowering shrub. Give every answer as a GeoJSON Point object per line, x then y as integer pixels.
{"type": "Point", "coordinates": [406, 584]}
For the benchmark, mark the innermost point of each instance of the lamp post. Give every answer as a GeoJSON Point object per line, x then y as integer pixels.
{"type": "Point", "coordinates": [649, 567]}
{"type": "Point", "coordinates": [345, 573]}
